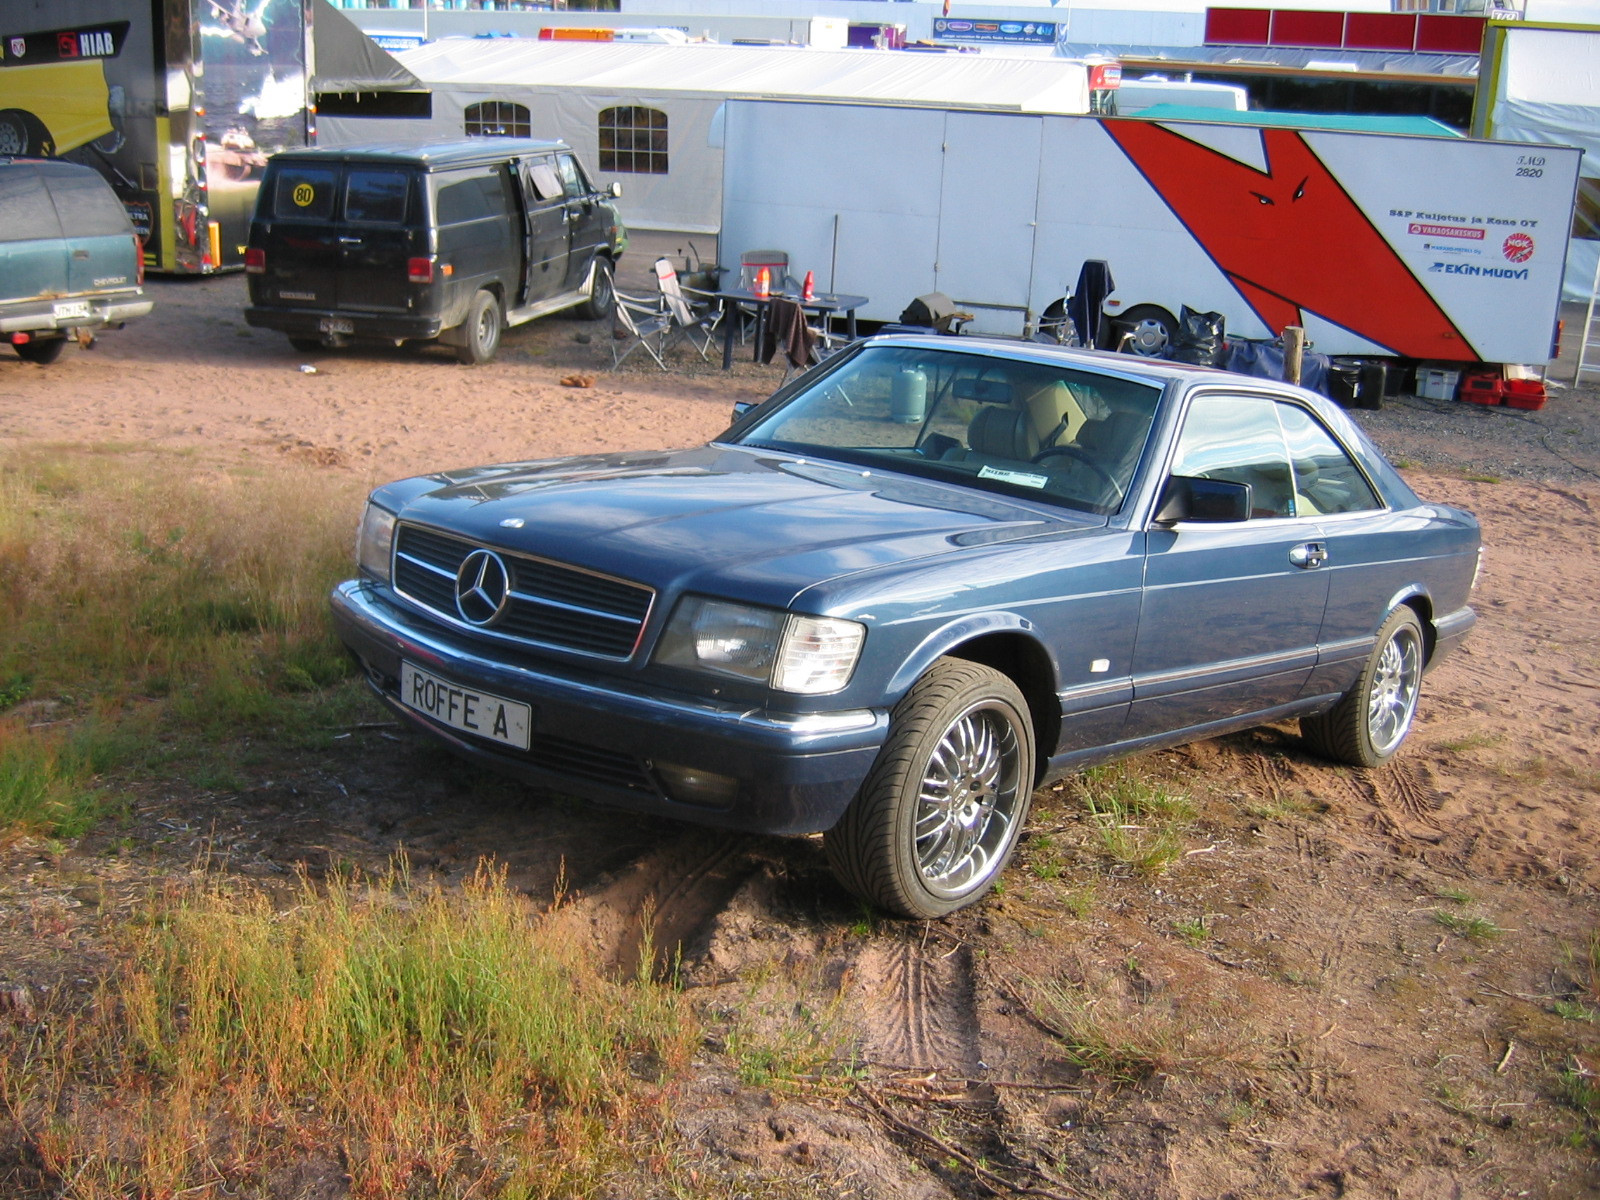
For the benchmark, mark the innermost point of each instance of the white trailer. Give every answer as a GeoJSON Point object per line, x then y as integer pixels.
{"type": "Point", "coordinates": [1377, 244]}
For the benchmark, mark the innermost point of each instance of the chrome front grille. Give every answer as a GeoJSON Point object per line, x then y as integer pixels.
{"type": "Point", "coordinates": [549, 604]}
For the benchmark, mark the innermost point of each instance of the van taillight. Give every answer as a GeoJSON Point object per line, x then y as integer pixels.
{"type": "Point", "coordinates": [419, 270]}
{"type": "Point", "coordinates": [255, 261]}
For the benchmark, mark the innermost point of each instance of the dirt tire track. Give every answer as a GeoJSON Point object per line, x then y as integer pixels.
{"type": "Point", "coordinates": [919, 1009]}
{"type": "Point", "coordinates": [671, 893]}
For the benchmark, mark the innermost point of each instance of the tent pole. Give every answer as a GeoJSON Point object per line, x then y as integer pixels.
{"type": "Point", "coordinates": [833, 263]}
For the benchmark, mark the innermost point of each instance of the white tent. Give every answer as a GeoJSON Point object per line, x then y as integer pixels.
{"type": "Point", "coordinates": [566, 86]}
{"type": "Point", "coordinates": [1541, 83]}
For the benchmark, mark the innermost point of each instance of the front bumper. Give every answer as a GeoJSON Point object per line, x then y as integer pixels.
{"type": "Point", "coordinates": [41, 318]}
{"type": "Point", "coordinates": [599, 738]}
{"type": "Point", "coordinates": [306, 322]}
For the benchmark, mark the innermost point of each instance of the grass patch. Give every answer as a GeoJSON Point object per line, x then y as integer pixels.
{"type": "Point", "coordinates": [442, 1042]}
{"type": "Point", "coordinates": [1137, 821]}
{"type": "Point", "coordinates": [1476, 929]}
{"type": "Point", "coordinates": [140, 597]}
{"type": "Point", "coordinates": [1123, 1041]}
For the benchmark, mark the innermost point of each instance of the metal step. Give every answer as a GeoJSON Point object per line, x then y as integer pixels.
{"type": "Point", "coordinates": [550, 304]}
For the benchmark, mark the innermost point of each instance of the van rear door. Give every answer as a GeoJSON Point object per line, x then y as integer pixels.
{"type": "Point", "coordinates": [30, 237]}
{"type": "Point", "coordinates": [295, 212]}
{"type": "Point", "coordinates": [380, 232]}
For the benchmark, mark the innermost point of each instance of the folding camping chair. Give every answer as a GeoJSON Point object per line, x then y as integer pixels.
{"type": "Point", "coordinates": [695, 315]}
{"type": "Point", "coordinates": [640, 321]}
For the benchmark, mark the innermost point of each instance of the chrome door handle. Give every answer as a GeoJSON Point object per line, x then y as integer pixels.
{"type": "Point", "coordinates": [349, 241]}
{"type": "Point", "coordinates": [1309, 554]}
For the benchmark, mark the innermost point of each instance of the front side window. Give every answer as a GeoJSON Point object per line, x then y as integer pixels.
{"type": "Point", "coordinates": [1326, 479]}
{"type": "Point", "coordinates": [498, 118]}
{"type": "Point", "coordinates": [1237, 438]}
{"type": "Point", "coordinates": [633, 139]}
{"type": "Point", "coordinates": [1036, 430]}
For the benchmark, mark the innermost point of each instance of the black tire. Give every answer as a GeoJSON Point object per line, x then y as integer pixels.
{"type": "Point", "coordinates": [307, 345]}
{"type": "Point", "coordinates": [23, 133]}
{"type": "Point", "coordinates": [959, 755]}
{"type": "Point", "coordinates": [602, 301]}
{"type": "Point", "coordinates": [1152, 328]}
{"type": "Point", "coordinates": [480, 333]}
{"type": "Point", "coordinates": [43, 351]}
{"type": "Point", "coordinates": [1369, 723]}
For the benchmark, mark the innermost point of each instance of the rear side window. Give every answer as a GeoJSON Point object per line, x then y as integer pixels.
{"type": "Point", "coordinates": [26, 213]}
{"type": "Point", "coordinates": [470, 195]}
{"type": "Point", "coordinates": [376, 197]}
{"type": "Point", "coordinates": [304, 193]}
{"type": "Point", "coordinates": [86, 205]}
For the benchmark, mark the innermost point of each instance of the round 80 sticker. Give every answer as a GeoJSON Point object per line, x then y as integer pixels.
{"type": "Point", "coordinates": [304, 194]}
{"type": "Point", "coordinates": [1518, 247]}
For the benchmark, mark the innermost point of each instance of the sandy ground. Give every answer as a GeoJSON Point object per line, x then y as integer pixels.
{"type": "Point", "coordinates": [1307, 1023]}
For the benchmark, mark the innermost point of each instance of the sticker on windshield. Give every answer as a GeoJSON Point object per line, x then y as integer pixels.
{"type": "Point", "coordinates": [304, 194]}
{"type": "Point", "coordinates": [1019, 478]}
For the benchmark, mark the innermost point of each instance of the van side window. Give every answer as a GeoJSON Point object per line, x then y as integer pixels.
{"type": "Point", "coordinates": [572, 177]}
{"type": "Point", "coordinates": [304, 193]}
{"type": "Point", "coordinates": [377, 197]}
{"type": "Point", "coordinates": [545, 182]}
{"type": "Point", "coordinates": [86, 206]}
{"type": "Point", "coordinates": [29, 214]}
{"type": "Point", "coordinates": [470, 195]}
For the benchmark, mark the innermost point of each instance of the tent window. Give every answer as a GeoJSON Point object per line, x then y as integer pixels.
{"type": "Point", "coordinates": [633, 139]}
{"type": "Point", "coordinates": [498, 118]}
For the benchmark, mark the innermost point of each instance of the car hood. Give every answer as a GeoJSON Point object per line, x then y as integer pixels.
{"type": "Point", "coordinates": [755, 525]}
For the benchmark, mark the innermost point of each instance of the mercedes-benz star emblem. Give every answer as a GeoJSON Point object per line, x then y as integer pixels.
{"type": "Point", "coordinates": [482, 587]}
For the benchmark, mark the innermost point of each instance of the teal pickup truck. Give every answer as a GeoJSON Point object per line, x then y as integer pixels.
{"type": "Point", "coordinates": [70, 262]}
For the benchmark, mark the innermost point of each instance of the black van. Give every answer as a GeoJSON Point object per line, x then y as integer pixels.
{"type": "Point", "coordinates": [410, 243]}
{"type": "Point", "coordinates": [70, 262]}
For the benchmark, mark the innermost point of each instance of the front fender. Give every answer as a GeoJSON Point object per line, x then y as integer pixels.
{"type": "Point", "coordinates": [941, 641]}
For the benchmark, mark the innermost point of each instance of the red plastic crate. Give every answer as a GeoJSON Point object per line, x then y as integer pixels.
{"type": "Point", "coordinates": [1483, 389]}
{"type": "Point", "coordinates": [1524, 393]}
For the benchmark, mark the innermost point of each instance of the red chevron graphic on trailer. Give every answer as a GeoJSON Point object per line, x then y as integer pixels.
{"type": "Point", "coordinates": [1291, 239]}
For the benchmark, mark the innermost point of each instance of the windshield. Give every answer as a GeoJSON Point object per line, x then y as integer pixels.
{"type": "Point", "coordinates": [1051, 432]}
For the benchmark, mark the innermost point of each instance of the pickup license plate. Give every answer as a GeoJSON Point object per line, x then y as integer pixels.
{"type": "Point", "coordinates": [508, 722]}
{"type": "Point", "coordinates": [336, 325]}
{"type": "Point", "coordinates": [72, 309]}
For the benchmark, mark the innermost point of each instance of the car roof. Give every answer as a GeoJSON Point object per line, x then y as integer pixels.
{"type": "Point", "coordinates": [432, 157]}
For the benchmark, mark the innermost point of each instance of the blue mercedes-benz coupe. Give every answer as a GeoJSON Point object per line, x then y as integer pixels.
{"type": "Point", "coordinates": [920, 580]}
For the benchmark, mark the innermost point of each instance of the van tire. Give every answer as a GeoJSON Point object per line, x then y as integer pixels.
{"type": "Point", "coordinates": [602, 299]}
{"type": "Point", "coordinates": [43, 351]}
{"type": "Point", "coordinates": [479, 335]}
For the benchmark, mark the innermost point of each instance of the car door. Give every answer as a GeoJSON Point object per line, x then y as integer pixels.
{"type": "Point", "coordinates": [588, 221]}
{"type": "Point", "coordinates": [549, 232]}
{"type": "Point", "coordinates": [1231, 611]}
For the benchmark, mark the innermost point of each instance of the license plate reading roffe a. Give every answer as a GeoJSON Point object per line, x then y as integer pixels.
{"type": "Point", "coordinates": [500, 720]}
{"type": "Point", "coordinates": [336, 325]}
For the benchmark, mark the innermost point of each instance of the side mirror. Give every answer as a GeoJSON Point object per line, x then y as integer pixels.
{"type": "Point", "coordinates": [741, 407]}
{"type": "Point", "coordinates": [1215, 501]}
{"type": "Point", "coordinates": [615, 190]}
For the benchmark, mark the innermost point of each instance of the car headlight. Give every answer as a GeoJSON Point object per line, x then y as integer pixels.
{"type": "Point", "coordinates": [375, 541]}
{"type": "Point", "coordinates": [809, 656]}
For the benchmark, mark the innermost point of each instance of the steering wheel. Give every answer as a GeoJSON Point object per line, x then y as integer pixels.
{"type": "Point", "coordinates": [1077, 455]}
